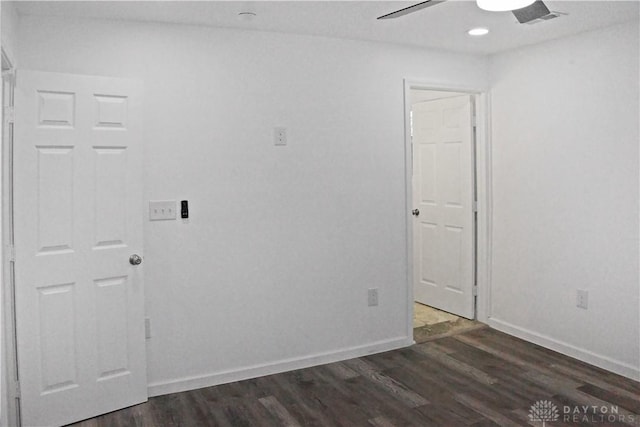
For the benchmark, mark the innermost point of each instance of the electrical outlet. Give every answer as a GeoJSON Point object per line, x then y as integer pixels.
{"type": "Point", "coordinates": [372, 297]}
{"type": "Point", "coordinates": [280, 136]}
{"type": "Point", "coordinates": [582, 300]}
{"type": "Point", "coordinates": [162, 210]}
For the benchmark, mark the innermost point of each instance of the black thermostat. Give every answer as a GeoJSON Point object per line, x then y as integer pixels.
{"type": "Point", "coordinates": [184, 209]}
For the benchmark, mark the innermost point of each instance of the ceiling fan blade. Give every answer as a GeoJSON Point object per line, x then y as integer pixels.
{"type": "Point", "coordinates": [532, 12]}
{"type": "Point", "coordinates": [411, 9]}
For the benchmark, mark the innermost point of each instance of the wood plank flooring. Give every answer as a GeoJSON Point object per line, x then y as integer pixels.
{"type": "Point", "coordinates": [477, 378]}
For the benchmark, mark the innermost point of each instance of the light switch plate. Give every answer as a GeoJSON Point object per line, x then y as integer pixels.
{"type": "Point", "coordinates": [160, 210]}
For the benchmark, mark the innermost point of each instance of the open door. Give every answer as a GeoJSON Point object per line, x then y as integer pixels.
{"type": "Point", "coordinates": [78, 220]}
{"type": "Point", "coordinates": [443, 200]}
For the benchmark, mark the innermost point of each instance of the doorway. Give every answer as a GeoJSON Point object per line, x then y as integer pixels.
{"type": "Point", "coordinates": [443, 202]}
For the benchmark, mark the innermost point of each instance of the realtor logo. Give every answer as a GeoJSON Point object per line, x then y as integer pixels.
{"type": "Point", "coordinates": [543, 410]}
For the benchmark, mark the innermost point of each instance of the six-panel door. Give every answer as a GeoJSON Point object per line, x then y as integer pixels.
{"type": "Point", "coordinates": [443, 193]}
{"type": "Point", "coordinates": [78, 205]}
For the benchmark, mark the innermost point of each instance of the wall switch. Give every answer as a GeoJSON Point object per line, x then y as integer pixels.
{"type": "Point", "coordinates": [582, 300]}
{"type": "Point", "coordinates": [280, 136]}
{"type": "Point", "coordinates": [147, 328]}
{"type": "Point", "coordinates": [372, 297]}
{"type": "Point", "coordinates": [162, 210]}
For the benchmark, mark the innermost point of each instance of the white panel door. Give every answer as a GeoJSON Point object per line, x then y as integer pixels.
{"type": "Point", "coordinates": [443, 195]}
{"type": "Point", "coordinates": [78, 218]}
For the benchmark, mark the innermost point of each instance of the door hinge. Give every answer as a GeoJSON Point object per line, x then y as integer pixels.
{"type": "Point", "coordinates": [9, 76]}
{"type": "Point", "coordinates": [9, 114]}
{"type": "Point", "coordinates": [475, 206]}
{"type": "Point", "coordinates": [147, 327]}
{"type": "Point", "coordinates": [475, 290]}
{"type": "Point", "coordinates": [16, 389]}
{"type": "Point", "coordinates": [11, 251]}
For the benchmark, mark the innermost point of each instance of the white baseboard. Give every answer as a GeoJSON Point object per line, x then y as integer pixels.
{"type": "Point", "coordinates": [207, 380]}
{"type": "Point", "coordinates": [584, 355]}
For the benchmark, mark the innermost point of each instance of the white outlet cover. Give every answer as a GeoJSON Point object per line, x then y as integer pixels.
{"type": "Point", "coordinates": [582, 299]}
{"type": "Point", "coordinates": [372, 297]}
{"type": "Point", "coordinates": [162, 210]}
{"type": "Point", "coordinates": [280, 136]}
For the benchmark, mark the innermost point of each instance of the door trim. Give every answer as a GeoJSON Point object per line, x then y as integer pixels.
{"type": "Point", "coordinates": [9, 393]}
{"type": "Point", "coordinates": [483, 192]}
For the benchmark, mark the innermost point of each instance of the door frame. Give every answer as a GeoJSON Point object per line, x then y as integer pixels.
{"type": "Point", "coordinates": [9, 392]}
{"type": "Point", "coordinates": [482, 178]}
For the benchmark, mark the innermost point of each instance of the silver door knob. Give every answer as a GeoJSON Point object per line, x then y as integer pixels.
{"type": "Point", "coordinates": [415, 212]}
{"type": "Point", "coordinates": [135, 259]}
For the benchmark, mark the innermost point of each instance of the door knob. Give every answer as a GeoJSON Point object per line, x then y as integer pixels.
{"type": "Point", "coordinates": [135, 259]}
{"type": "Point", "coordinates": [415, 212]}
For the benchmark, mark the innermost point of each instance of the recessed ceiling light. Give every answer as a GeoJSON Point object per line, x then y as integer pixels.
{"type": "Point", "coordinates": [478, 32]}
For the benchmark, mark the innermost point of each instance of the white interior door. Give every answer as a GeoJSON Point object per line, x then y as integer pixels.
{"type": "Point", "coordinates": [78, 218]}
{"type": "Point", "coordinates": [443, 196]}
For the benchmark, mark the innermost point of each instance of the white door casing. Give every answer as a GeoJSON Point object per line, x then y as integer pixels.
{"type": "Point", "coordinates": [78, 218]}
{"type": "Point", "coordinates": [443, 193]}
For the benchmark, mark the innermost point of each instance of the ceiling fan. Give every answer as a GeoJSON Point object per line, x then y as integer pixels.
{"type": "Point", "coordinates": [524, 10]}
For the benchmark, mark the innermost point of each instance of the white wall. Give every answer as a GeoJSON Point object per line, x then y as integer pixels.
{"type": "Point", "coordinates": [565, 195]}
{"type": "Point", "coordinates": [9, 34]}
{"type": "Point", "coordinates": [273, 267]}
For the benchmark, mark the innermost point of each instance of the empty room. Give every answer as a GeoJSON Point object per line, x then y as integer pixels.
{"type": "Point", "coordinates": [320, 213]}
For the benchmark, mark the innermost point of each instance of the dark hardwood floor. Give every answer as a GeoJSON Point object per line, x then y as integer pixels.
{"type": "Point", "coordinates": [477, 378]}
